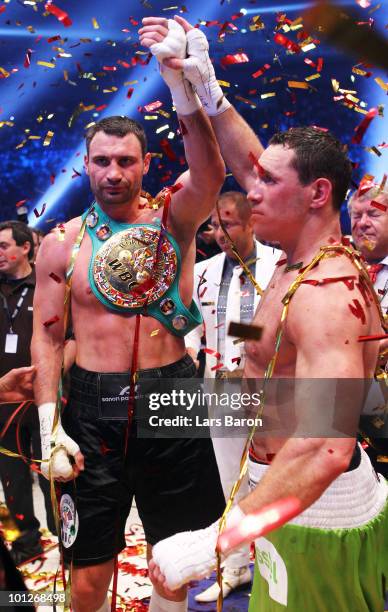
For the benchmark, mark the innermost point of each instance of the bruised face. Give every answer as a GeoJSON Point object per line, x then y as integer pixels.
{"type": "Point", "coordinates": [116, 167]}
{"type": "Point", "coordinates": [279, 200]}
{"type": "Point", "coordinates": [370, 228]}
{"type": "Point", "coordinates": [240, 232]}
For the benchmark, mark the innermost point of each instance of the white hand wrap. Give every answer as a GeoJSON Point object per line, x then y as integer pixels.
{"type": "Point", "coordinates": [185, 100]}
{"type": "Point", "coordinates": [60, 464]}
{"type": "Point", "coordinates": [191, 555]}
{"type": "Point", "coordinates": [199, 70]}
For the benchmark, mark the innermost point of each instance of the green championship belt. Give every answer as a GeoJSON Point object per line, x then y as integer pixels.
{"type": "Point", "coordinates": [135, 269]}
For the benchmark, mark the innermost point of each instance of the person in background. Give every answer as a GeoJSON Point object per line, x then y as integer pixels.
{"type": "Point", "coordinates": [17, 286]}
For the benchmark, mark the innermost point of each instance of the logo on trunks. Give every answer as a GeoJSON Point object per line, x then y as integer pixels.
{"type": "Point", "coordinates": [69, 516]}
{"type": "Point", "coordinates": [123, 396]}
{"type": "Point", "coordinates": [273, 570]}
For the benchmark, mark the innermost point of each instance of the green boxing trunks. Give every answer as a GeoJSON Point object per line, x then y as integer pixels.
{"type": "Point", "coordinates": [332, 557]}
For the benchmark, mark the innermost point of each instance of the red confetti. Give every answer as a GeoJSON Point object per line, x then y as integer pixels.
{"type": "Point", "coordinates": [261, 71]}
{"type": "Point", "coordinates": [212, 352]}
{"type": "Point", "coordinates": [217, 367]}
{"type": "Point", "coordinates": [27, 59]}
{"type": "Point", "coordinates": [111, 68]}
{"type": "Point", "coordinates": [59, 14]}
{"type": "Point", "coordinates": [53, 38]}
{"type": "Point", "coordinates": [130, 92]}
{"type": "Point", "coordinates": [2, 8]}
{"type": "Point", "coordinates": [153, 106]}
{"type": "Point", "coordinates": [363, 126]}
{"type": "Point", "coordinates": [167, 150]}
{"type": "Point", "coordinates": [357, 310]}
{"type": "Point", "coordinates": [39, 214]}
{"type": "Point", "coordinates": [100, 108]}
{"type": "Point", "coordinates": [51, 321]}
{"type": "Point", "coordinates": [55, 277]}
{"type": "Point", "coordinates": [290, 45]}
{"type": "Point", "coordinates": [378, 205]}
{"type": "Point", "coordinates": [132, 570]}
{"type": "Point", "coordinates": [281, 261]}
{"type": "Point", "coordinates": [237, 58]}
{"type": "Point", "coordinates": [104, 449]}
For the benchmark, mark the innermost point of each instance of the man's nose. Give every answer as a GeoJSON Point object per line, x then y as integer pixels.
{"type": "Point", "coordinates": [114, 173]}
{"type": "Point", "coordinates": [365, 220]}
{"type": "Point", "coordinates": [255, 194]}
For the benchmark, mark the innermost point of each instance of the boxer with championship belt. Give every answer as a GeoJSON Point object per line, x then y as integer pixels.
{"type": "Point", "coordinates": [131, 292]}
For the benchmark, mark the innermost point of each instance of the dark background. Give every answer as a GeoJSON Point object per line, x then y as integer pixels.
{"type": "Point", "coordinates": [37, 98]}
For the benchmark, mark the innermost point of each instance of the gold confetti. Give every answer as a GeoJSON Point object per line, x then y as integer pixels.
{"type": "Point", "coordinates": [224, 83]}
{"type": "Point", "coordinates": [150, 117]}
{"type": "Point", "coordinates": [95, 23]}
{"type": "Point", "coordinates": [48, 138]}
{"type": "Point", "coordinates": [382, 84]}
{"type": "Point", "coordinates": [298, 84]}
{"type": "Point", "coordinates": [46, 64]}
{"type": "Point", "coordinates": [313, 76]}
{"type": "Point", "coordinates": [154, 333]}
{"type": "Point", "coordinates": [268, 95]}
{"type": "Point", "coordinates": [4, 73]}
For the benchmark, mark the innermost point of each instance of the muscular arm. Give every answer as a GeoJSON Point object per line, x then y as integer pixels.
{"type": "Point", "coordinates": [325, 335]}
{"type": "Point", "coordinates": [236, 140]}
{"type": "Point", "coordinates": [48, 340]}
{"type": "Point", "coordinates": [202, 182]}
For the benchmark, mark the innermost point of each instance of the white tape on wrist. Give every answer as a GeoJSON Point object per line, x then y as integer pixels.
{"type": "Point", "coordinates": [185, 100]}
{"type": "Point", "coordinates": [199, 70]}
{"type": "Point", "coordinates": [51, 449]}
{"type": "Point", "coordinates": [191, 555]}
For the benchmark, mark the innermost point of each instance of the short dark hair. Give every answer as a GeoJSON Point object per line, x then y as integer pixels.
{"type": "Point", "coordinates": [120, 126]}
{"type": "Point", "coordinates": [21, 234]}
{"type": "Point", "coordinates": [318, 154]}
{"type": "Point", "coordinates": [240, 200]}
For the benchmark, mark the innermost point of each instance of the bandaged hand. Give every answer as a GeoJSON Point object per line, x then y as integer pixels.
{"type": "Point", "coordinates": [189, 555]}
{"type": "Point", "coordinates": [198, 69]}
{"type": "Point", "coordinates": [56, 452]}
{"type": "Point", "coordinates": [166, 38]}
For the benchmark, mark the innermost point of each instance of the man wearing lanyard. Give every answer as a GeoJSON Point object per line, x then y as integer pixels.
{"type": "Point", "coordinates": [17, 285]}
{"type": "Point", "coordinates": [368, 209]}
{"type": "Point", "coordinates": [224, 294]}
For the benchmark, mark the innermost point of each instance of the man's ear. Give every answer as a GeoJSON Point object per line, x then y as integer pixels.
{"type": "Point", "coordinates": [321, 192]}
{"type": "Point", "coordinates": [86, 162]}
{"type": "Point", "coordinates": [146, 163]}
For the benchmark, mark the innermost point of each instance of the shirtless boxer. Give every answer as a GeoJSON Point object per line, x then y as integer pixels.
{"type": "Point", "coordinates": [332, 556]}
{"type": "Point", "coordinates": [164, 475]}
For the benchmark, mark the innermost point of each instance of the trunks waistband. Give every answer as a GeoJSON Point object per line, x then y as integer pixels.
{"type": "Point", "coordinates": [352, 500]}
{"type": "Point", "coordinates": [353, 465]}
{"type": "Point", "coordinates": [171, 370]}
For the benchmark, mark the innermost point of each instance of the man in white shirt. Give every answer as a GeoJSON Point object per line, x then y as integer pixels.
{"type": "Point", "coordinates": [224, 293]}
